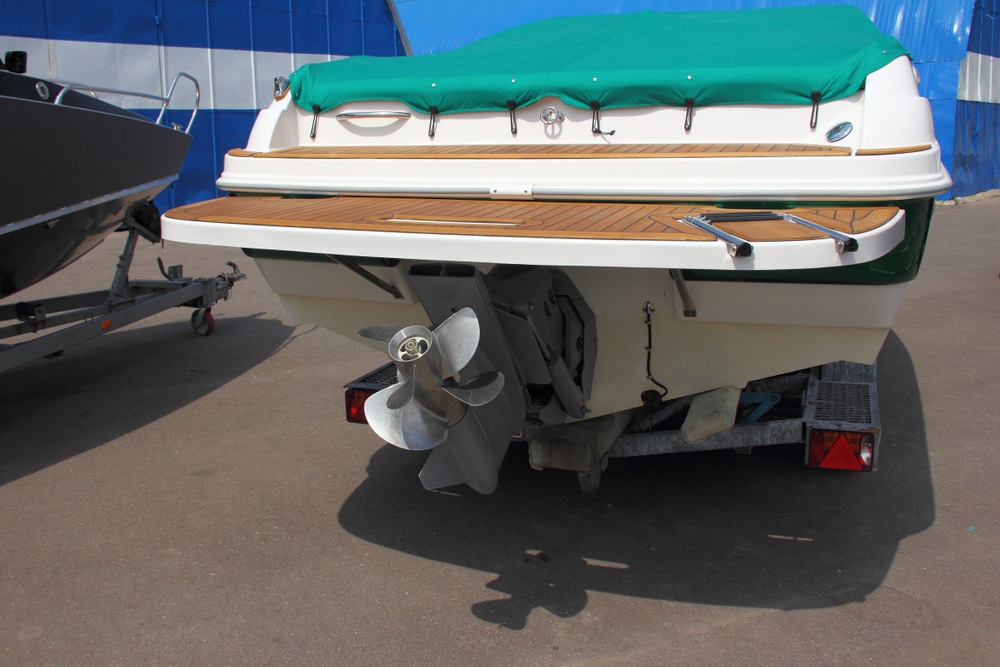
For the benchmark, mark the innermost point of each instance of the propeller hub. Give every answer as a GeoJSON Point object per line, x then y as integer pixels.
{"type": "Point", "coordinates": [410, 344]}
{"type": "Point", "coordinates": [413, 348]}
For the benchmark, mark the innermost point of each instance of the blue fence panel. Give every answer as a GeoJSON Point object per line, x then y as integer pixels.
{"type": "Point", "coordinates": [977, 115]}
{"type": "Point", "coordinates": [977, 143]}
{"type": "Point", "coordinates": [323, 27]}
{"type": "Point", "coordinates": [984, 34]}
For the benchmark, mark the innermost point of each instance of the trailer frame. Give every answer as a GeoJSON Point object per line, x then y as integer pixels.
{"type": "Point", "coordinates": [839, 397]}
{"type": "Point", "coordinates": [77, 318]}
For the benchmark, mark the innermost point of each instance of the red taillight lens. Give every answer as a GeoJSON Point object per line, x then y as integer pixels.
{"type": "Point", "coordinates": [354, 401]}
{"type": "Point", "coordinates": [841, 450]}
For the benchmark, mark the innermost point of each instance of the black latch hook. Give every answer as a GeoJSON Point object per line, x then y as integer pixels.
{"type": "Point", "coordinates": [689, 104]}
{"type": "Point", "coordinates": [316, 111]}
{"type": "Point", "coordinates": [434, 112]}
{"type": "Point", "coordinates": [595, 124]}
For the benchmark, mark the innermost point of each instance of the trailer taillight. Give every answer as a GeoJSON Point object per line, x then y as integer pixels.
{"type": "Point", "coordinates": [841, 450]}
{"type": "Point", "coordinates": [354, 401]}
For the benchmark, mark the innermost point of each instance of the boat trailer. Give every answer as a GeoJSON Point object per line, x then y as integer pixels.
{"type": "Point", "coordinates": [832, 410]}
{"type": "Point", "coordinates": [127, 301]}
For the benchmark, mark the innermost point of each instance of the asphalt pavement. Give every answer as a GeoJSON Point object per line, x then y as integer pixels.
{"type": "Point", "coordinates": [174, 499]}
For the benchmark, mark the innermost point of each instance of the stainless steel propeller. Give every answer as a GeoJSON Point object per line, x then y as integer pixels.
{"type": "Point", "coordinates": [430, 397]}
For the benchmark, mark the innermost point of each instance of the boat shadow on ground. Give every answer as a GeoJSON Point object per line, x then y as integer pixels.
{"type": "Point", "coordinates": [54, 409]}
{"type": "Point", "coordinates": [713, 528]}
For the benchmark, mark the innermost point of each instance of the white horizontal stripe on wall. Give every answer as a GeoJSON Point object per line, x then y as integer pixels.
{"type": "Point", "coordinates": [228, 79]}
{"type": "Point", "coordinates": [979, 78]}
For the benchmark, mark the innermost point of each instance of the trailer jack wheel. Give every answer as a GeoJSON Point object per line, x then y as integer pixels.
{"type": "Point", "coordinates": [202, 321]}
{"type": "Point", "coordinates": [590, 482]}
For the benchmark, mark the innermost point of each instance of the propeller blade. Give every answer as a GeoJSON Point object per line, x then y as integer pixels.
{"type": "Point", "coordinates": [473, 454]}
{"type": "Point", "coordinates": [441, 469]}
{"type": "Point", "coordinates": [422, 429]}
{"type": "Point", "coordinates": [402, 394]}
{"type": "Point", "coordinates": [480, 390]}
{"type": "Point", "coordinates": [386, 422]}
{"type": "Point", "coordinates": [409, 427]}
{"type": "Point", "coordinates": [457, 339]}
{"type": "Point", "coordinates": [465, 458]}
{"type": "Point", "coordinates": [380, 332]}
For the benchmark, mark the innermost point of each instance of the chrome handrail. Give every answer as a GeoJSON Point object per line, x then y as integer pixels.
{"type": "Point", "coordinates": [164, 101]}
{"type": "Point", "coordinates": [378, 113]}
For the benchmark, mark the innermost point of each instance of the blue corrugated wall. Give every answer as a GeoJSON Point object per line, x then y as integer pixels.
{"type": "Point", "coordinates": [977, 114]}
{"type": "Point", "coordinates": [221, 42]}
{"type": "Point", "coordinates": [955, 45]}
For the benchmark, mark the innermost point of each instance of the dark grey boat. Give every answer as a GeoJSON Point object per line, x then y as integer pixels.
{"type": "Point", "coordinates": [73, 168]}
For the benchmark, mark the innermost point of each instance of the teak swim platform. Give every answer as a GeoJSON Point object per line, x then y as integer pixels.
{"type": "Point", "coordinates": [664, 222]}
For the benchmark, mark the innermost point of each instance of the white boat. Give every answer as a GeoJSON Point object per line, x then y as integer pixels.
{"type": "Point", "coordinates": [611, 207]}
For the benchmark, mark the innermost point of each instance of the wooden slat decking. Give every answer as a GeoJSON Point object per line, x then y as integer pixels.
{"type": "Point", "coordinates": [547, 152]}
{"type": "Point", "coordinates": [583, 220]}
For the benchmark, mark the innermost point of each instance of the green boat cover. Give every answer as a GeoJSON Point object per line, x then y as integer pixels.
{"type": "Point", "coordinates": [790, 55]}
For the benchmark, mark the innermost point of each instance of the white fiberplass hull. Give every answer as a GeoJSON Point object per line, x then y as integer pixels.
{"type": "Point", "coordinates": [888, 158]}
{"type": "Point", "coordinates": [593, 253]}
{"type": "Point", "coordinates": [742, 332]}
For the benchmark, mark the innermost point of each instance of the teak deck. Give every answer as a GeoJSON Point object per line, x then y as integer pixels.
{"type": "Point", "coordinates": [550, 152]}
{"type": "Point", "coordinates": [585, 220]}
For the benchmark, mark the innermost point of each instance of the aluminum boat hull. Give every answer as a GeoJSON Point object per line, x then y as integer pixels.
{"type": "Point", "coordinates": [71, 173]}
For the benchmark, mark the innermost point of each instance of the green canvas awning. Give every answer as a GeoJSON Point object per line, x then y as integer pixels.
{"type": "Point", "coordinates": [754, 56]}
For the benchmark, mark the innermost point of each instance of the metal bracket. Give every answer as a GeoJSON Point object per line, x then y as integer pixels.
{"type": "Point", "coordinates": [595, 123]}
{"type": "Point", "coordinates": [735, 246]}
{"type": "Point", "coordinates": [511, 107]}
{"type": "Point", "coordinates": [678, 277]}
{"type": "Point", "coordinates": [844, 243]}
{"type": "Point", "coordinates": [816, 96]}
{"type": "Point", "coordinates": [312, 130]}
{"type": "Point", "coordinates": [764, 403]}
{"type": "Point", "coordinates": [432, 128]}
{"type": "Point", "coordinates": [367, 275]}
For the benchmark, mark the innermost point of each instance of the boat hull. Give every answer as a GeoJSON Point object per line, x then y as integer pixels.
{"type": "Point", "coordinates": [743, 331]}
{"type": "Point", "coordinates": [794, 326]}
{"type": "Point", "coordinates": [31, 253]}
{"type": "Point", "coordinates": [627, 225]}
{"type": "Point", "coordinates": [72, 172]}
{"type": "Point", "coordinates": [745, 325]}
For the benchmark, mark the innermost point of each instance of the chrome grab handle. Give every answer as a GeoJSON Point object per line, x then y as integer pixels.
{"type": "Point", "coordinates": [349, 115]}
{"type": "Point", "coordinates": [738, 247]}
{"type": "Point", "coordinates": [842, 242]}
{"type": "Point", "coordinates": [164, 101]}
{"type": "Point", "coordinates": [735, 246]}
